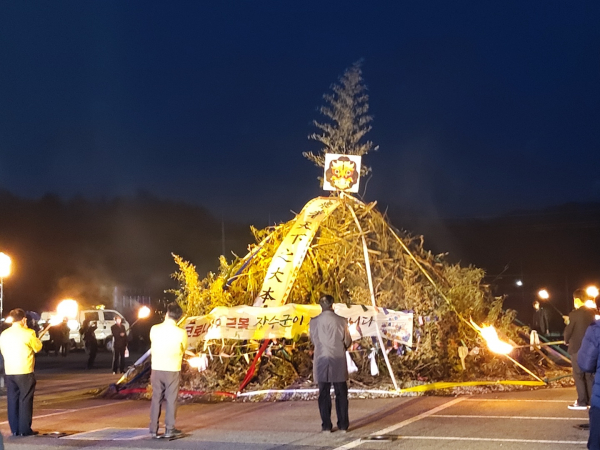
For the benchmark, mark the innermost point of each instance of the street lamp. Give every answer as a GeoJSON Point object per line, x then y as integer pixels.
{"type": "Point", "coordinates": [5, 264]}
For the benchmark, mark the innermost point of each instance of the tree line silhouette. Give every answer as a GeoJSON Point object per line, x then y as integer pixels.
{"type": "Point", "coordinates": [83, 248]}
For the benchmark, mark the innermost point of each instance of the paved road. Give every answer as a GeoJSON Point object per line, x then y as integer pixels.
{"type": "Point", "coordinates": [532, 420]}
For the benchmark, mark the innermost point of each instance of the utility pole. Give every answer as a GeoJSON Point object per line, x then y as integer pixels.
{"type": "Point", "coordinates": [568, 293]}
{"type": "Point", "coordinates": [222, 236]}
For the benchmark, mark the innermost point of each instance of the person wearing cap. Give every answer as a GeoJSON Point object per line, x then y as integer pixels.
{"type": "Point", "coordinates": [330, 336]}
{"type": "Point", "coordinates": [168, 344]}
{"type": "Point", "coordinates": [18, 345]}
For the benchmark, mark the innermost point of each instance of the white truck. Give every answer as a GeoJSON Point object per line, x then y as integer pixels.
{"type": "Point", "coordinates": [104, 319]}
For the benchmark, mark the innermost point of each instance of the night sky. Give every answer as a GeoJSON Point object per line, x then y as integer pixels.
{"type": "Point", "coordinates": [479, 108]}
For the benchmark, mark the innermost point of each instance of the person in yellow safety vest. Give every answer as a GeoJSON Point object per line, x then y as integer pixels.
{"type": "Point", "coordinates": [168, 345]}
{"type": "Point", "coordinates": [18, 344]}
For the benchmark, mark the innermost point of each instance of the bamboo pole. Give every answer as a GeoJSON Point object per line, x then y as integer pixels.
{"type": "Point", "coordinates": [370, 281]}
{"type": "Point", "coordinates": [436, 287]}
{"type": "Point", "coordinates": [525, 369]}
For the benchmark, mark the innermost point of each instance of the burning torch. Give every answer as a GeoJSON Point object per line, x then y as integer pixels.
{"type": "Point", "coordinates": [67, 308]}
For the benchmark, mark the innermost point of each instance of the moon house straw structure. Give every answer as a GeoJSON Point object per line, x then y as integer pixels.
{"type": "Point", "coordinates": [411, 312]}
{"type": "Point", "coordinates": [415, 318]}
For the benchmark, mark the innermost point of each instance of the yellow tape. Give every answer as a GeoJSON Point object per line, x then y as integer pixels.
{"type": "Point", "coordinates": [448, 385]}
{"type": "Point", "coordinates": [420, 388]}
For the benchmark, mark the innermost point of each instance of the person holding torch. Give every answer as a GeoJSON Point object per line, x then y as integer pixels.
{"type": "Point", "coordinates": [579, 321]}
{"type": "Point", "coordinates": [18, 344]}
{"type": "Point", "coordinates": [588, 359]}
{"type": "Point", "coordinates": [119, 333]}
{"type": "Point", "coordinates": [540, 322]}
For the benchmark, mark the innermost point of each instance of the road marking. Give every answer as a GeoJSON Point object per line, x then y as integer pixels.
{"type": "Point", "coordinates": [523, 441]}
{"type": "Point", "coordinates": [516, 400]}
{"type": "Point", "coordinates": [110, 434]}
{"type": "Point", "coordinates": [507, 417]}
{"type": "Point", "coordinates": [404, 423]}
{"type": "Point", "coordinates": [68, 411]}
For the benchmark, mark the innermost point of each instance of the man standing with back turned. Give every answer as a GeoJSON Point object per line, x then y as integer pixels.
{"type": "Point", "coordinates": [168, 344]}
{"type": "Point", "coordinates": [18, 345]}
{"type": "Point", "coordinates": [330, 336]}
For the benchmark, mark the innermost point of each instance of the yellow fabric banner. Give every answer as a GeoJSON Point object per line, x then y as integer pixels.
{"type": "Point", "coordinates": [288, 258]}
{"type": "Point", "coordinates": [291, 320]}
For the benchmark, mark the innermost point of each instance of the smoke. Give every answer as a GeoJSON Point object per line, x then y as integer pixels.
{"type": "Point", "coordinates": [89, 287]}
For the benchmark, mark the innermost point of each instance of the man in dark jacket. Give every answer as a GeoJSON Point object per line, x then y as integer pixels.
{"type": "Point", "coordinates": [119, 345]}
{"type": "Point", "coordinates": [55, 341]}
{"type": "Point", "coordinates": [65, 337]}
{"type": "Point", "coordinates": [579, 321]}
{"type": "Point", "coordinates": [540, 322]}
{"type": "Point", "coordinates": [330, 336]}
{"type": "Point", "coordinates": [88, 332]}
{"type": "Point", "coordinates": [589, 361]}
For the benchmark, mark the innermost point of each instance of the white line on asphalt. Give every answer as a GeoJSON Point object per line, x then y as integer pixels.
{"type": "Point", "coordinates": [467, 416]}
{"type": "Point", "coordinates": [68, 411]}
{"type": "Point", "coordinates": [523, 441]}
{"type": "Point", "coordinates": [516, 400]}
{"type": "Point", "coordinates": [89, 435]}
{"type": "Point", "coordinates": [387, 430]}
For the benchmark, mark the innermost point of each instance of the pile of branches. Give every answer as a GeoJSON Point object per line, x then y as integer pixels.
{"type": "Point", "coordinates": [443, 297]}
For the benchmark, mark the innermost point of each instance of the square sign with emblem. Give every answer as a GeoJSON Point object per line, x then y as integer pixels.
{"type": "Point", "coordinates": [342, 172]}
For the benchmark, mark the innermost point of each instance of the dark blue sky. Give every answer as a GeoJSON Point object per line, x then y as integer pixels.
{"type": "Point", "coordinates": [480, 107]}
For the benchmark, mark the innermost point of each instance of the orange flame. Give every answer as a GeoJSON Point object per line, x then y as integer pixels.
{"type": "Point", "coordinates": [199, 362]}
{"type": "Point", "coordinates": [492, 340]}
